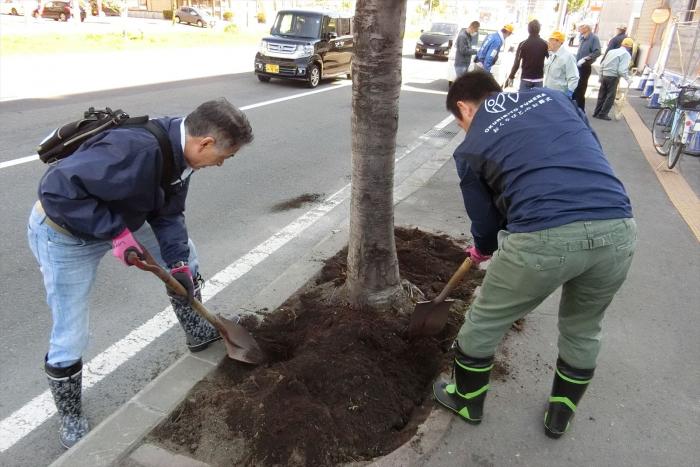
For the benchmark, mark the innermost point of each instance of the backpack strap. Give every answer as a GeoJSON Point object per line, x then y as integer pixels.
{"type": "Point", "coordinates": [165, 148]}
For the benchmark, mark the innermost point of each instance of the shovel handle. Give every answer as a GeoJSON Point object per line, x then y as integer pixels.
{"type": "Point", "coordinates": [150, 264]}
{"type": "Point", "coordinates": [454, 280]}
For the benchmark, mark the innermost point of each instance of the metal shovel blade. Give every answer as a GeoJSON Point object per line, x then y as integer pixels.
{"type": "Point", "coordinates": [240, 344]}
{"type": "Point", "coordinates": [429, 318]}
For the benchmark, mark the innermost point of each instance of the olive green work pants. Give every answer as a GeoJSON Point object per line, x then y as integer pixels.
{"type": "Point", "coordinates": [589, 260]}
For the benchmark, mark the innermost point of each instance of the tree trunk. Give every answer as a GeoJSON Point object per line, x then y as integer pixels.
{"type": "Point", "coordinates": [373, 272]}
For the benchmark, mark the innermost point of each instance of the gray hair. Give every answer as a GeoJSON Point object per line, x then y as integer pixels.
{"type": "Point", "coordinates": [221, 120]}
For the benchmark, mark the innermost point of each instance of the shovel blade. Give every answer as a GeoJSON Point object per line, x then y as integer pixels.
{"type": "Point", "coordinates": [429, 318]}
{"type": "Point", "coordinates": [240, 344]}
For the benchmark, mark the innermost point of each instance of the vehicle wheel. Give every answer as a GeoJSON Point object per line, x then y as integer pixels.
{"type": "Point", "coordinates": [264, 79]}
{"type": "Point", "coordinates": [674, 154]}
{"type": "Point", "coordinates": [417, 55]}
{"type": "Point", "coordinates": [314, 73]}
{"type": "Point", "coordinates": [14, 12]}
{"type": "Point", "coordinates": [177, 19]}
{"type": "Point", "coordinates": [199, 23]}
{"type": "Point", "coordinates": [62, 17]}
{"type": "Point", "coordinates": [661, 131]}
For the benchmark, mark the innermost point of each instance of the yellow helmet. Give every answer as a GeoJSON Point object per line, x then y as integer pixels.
{"type": "Point", "coordinates": [508, 27]}
{"type": "Point", "coordinates": [627, 42]}
{"type": "Point", "coordinates": [557, 35]}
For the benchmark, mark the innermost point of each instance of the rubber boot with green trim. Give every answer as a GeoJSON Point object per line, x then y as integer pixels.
{"type": "Point", "coordinates": [199, 332]}
{"type": "Point", "coordinates": [567, 389]}
{"type": "Point", "coordinates": [467, 394]}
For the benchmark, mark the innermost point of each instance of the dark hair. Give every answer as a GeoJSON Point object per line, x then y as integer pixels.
{"type": "Point", "coordinates": [473, 86]}
{"type": "Point", "coordinates": [533, 27]}
{"type": "Point", "coordinates": [475, 24]}
{"type": "Point", "coordinates": [221, 120]}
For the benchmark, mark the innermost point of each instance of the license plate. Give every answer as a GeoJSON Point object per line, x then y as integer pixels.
{"type": "Point", "coordinates": [272, 68]}
{"type": "Point", "coordinates": [430, 51]}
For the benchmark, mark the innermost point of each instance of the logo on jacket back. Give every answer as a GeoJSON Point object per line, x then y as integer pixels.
{"type": "Point", "coordinates": [495, 104]}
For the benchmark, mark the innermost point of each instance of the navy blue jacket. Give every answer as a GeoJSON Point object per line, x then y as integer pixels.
{"type": "Point", "coordinates": [112, 182]}
{"type": "Point", "coordinates": [529, 162]}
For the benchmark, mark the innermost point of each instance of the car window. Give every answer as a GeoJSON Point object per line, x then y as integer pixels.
{"type": "Point", "coordinates": [445, 28]}
{"type": "Point", "coordinates": [297, 24]}
{"type": "Point", "coordinates": [332, 26]}
{"type": "Point", "coordinates": [343, 26]}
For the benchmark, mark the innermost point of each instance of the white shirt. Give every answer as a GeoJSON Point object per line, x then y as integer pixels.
{"type": "Point", "coordinates": [188, 170]}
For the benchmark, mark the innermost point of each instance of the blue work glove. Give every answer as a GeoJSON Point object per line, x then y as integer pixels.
{"type": "Point", "coordinates": [182, 273]}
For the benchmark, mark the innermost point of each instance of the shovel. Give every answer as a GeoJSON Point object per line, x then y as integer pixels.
{"type": "Point", "coordinates": [429, 318]}
{"type": "Point", "coordinates": [240, 345]}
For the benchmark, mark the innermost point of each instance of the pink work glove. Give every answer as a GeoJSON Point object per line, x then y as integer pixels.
{"type": "Point", "coordinates": [123, 244]}
{"type": "Point", "coordinates": [476, 255]}
{"type": "Point", "coordinates": [183, 274]}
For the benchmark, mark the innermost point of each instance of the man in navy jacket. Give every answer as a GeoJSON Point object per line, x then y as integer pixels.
{"type": "Point", "coordinates": [100, 198]}
{"type": "Point", "coordinates": [544, 201]}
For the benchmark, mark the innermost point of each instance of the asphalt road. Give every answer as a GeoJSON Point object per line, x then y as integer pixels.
{"type": "Point", "coordinates": [301, 146]}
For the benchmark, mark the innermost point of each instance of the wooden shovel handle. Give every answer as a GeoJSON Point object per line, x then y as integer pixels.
{"type": "Point", "coordinates": [150, 264]}
{"type": "Point", "coordinates": [454, 280]}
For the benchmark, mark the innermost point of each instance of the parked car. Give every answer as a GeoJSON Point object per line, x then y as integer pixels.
{"type": "Point", "coordinates": [437, 41]}
{"type": "Point", "coordinates": [57, 10]}
{"type": "Point", "coordinates": [306, 45]}
{"type": "Point", "coordinates": [192, 15]}
{"type": "Point", "coordinates": [12, 7]}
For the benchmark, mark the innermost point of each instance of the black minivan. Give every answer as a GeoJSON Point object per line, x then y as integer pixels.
{"type": "Point", "coordinates": [306, 45]}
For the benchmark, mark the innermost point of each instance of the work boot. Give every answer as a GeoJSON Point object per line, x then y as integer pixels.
{"type": "Point", "coordinates": [567, 389]}
{"type": "Point", "coordinates": [198, 331]}
{"type": "Point", "coordinates": [66, 385]}
{"type": "Point", "coordinates": [466, 395]}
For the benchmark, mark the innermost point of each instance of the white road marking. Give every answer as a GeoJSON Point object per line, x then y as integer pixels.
{"type": "Point", "coordinates": [30, 416]}
{"type": "Point", "coordinates": [337, 85]}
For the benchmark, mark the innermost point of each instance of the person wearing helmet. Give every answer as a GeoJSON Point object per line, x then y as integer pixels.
{"type": "Point", "coordinates": [488, 53]}
{"type": "Point", "coordinates": [560, 69]}
{"type": "Point", "coordinates": [615, 65]}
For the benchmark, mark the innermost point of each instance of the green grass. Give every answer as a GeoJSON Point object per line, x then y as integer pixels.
{"type": "Point", "coordinates": [51, 43]}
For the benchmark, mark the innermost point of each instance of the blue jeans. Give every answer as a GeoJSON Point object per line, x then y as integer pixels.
{"type": "Point", "coordinates": [69, 265]}
{"type": "Point", "coordinates": [525, 85]}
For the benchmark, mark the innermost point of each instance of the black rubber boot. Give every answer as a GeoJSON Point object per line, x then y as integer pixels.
{"type": "Point", "coordinates": [567, 389]}
{"type": "Point", "coordinates": [466, 395]}
{"type": "Point", "coordinates": [198, 331]}
{"type": "Point", "coordinates": [66, 386]}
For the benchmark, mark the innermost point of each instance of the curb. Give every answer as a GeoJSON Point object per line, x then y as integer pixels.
{"type": "Point", "coordinates": [116, 441]}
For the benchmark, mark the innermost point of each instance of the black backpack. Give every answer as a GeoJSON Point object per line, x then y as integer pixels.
{"type": "Point", "coordinates": [63, 141]}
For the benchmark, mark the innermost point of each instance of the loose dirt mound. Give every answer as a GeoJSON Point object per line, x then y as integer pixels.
{"type": "Point", "coordinates": [341, 385]}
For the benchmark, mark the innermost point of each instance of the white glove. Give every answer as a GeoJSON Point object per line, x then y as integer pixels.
{"type": "Point", "coordinates": [581, 62]}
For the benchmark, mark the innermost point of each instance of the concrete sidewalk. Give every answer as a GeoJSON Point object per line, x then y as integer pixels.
{"type": "Point", "coordinates": [641, 409]}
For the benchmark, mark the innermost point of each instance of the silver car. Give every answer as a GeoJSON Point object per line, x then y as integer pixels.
{"type": "Point", "coordinates": [192, 15]}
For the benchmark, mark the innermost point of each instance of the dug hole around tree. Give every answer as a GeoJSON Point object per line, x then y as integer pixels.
{"type": "Point", "coordinates": [340, 387]}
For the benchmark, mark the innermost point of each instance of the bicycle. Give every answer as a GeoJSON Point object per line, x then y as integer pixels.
{"type": "Point", "coordinates": [675, 124]}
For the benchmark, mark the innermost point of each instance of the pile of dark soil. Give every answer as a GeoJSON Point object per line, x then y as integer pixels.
{"type": "Point", "coordinates": [341, 385]}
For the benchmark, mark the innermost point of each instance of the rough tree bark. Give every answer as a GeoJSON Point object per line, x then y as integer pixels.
{"type": "Point", "coordinates": [373, 272]}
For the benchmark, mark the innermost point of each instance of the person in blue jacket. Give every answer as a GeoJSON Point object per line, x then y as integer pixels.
{"type": "Point", "coordinates": [487, 55]}
{"type": "Point", "coordinates": [108, 195]}
{"type": "Point", "coordinates": [548, 211]}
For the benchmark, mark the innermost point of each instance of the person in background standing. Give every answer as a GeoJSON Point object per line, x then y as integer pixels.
{"type": "Point", "coordinates": [488, 53]}
{"type": "Point", "coordinates": [532, 52]}
{"type": "Point", "coordinates": [560, 69]}
{"type": "Point", "coordinates": [615, 64]}
{"type": "Point", "coordinates": [466, 48]}
{"type": "Point", "coordinates": [588, 52]}
{"type": "Point", "coordinates": [616, 41]}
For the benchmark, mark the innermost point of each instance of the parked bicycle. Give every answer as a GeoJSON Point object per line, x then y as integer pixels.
{"type": "Point", "coordinates": [676, 123]}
